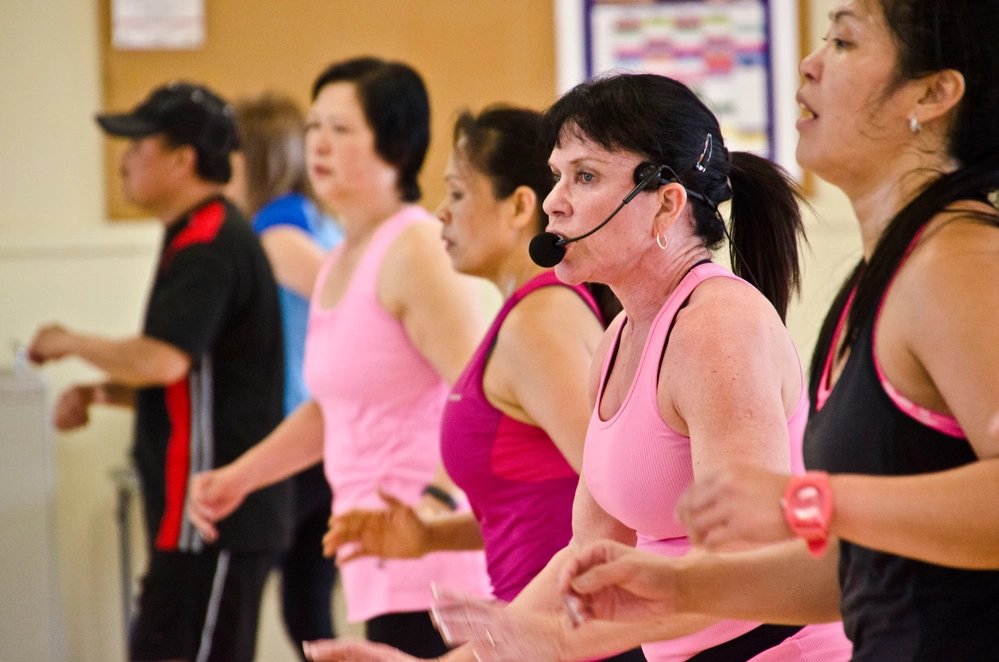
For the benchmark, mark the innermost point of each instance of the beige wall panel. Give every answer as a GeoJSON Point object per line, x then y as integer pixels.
{"type": "Point", "coordinates": [470, 52]}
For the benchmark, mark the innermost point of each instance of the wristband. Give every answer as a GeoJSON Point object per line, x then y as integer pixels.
{"type": "Point", "coordinates": [808, 507]}
{"type": "Point", "coordinates": [441, 495]}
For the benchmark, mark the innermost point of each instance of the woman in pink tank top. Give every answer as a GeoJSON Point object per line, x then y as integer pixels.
{"type": "Point", "coordinates": [513, 427]}
{"type": "Point", "coordinates": [390, 326]}
{"type": "Point", "coordinates": [697, 371]}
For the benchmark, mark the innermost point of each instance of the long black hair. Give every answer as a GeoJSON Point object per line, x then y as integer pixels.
{"type": "Point", "coordinates": [933, 35]}
{"type": "Point", "coordinates": [504, 144]}
{"type": "Point", "coordinates": [665, 123]}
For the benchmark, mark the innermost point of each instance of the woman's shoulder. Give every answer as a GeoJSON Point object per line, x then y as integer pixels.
{"type": "Point", "coordinates": [415, 268]}
{"type": "Point", "coordinates": [963, 237]}
{"type": "Point", "coordinates": [961, 242]}
{"type": "Point", "coordinates": [286, 210]}
{"type": "Point", "coordinates": [725, 319]}
{"type": "Point", "coordinates": [962, 224]}
{"type": "Point", "coordinates": [417, 239]}
{"type": "Point", "coordinates": [555, 308]}
{"type": "Point", "coordinates": [726, 301]}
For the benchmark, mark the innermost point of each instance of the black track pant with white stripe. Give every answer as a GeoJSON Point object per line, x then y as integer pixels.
{"type": "Point", "coordinates": [201, 607]}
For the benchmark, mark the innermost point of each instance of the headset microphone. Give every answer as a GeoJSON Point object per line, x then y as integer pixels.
{"type": "Point", "coordinates": [548, 249]}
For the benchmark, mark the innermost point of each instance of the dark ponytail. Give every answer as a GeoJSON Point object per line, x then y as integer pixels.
{"type": "Point", "coordinates": [871, 279]}
{"type": "Point", "coordinates": [766, 227]}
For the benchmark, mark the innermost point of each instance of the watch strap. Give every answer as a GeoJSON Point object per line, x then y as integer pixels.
{"type": "Point", "coordinates": [808, 506]}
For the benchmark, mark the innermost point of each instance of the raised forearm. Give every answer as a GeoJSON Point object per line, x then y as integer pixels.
{"type": "Point", "coordinates": [296, 444]}
{"type": "Point", "coordinates": [604, 639]}
{"type": "Point", "coordinates": [118, 395]}
{"type": "Point", "coordinates": [777, 584]}
{"type": "Point", "coordinates": [949, 518]}
{"type": "Point", "coordinates": [455, 532]}
{"type": "Point", "coordinates": [133, 362]}
{"type": "Point", "coordinates": [538, 622]}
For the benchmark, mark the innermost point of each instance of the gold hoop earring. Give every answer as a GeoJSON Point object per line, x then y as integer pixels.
{"type": "Point", "coordinates": [914, 125]}
{"type": "Point", "coordinates": [662, 241]}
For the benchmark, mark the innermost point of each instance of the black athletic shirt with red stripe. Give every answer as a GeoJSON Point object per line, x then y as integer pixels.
{"type": "Point", "coordinates": [214, 298]}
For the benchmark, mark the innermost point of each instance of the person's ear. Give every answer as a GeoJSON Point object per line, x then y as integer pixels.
{"type": "Point", "coordinates": [525, 207]}
{"type": "Point", "coordinates": [186, 158]}
{"type": "Point", "coordinates": [941, 91]}
{"type": "Point", "coordinates": [672, 205]}
{"type": "Point", "coordinates": [672, 200]}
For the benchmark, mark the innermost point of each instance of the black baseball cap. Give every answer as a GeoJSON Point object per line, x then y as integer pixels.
{"type": "Point", "coordinates": [187, 114]}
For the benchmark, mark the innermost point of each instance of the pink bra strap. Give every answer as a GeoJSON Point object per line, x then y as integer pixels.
{"type": "Point", "coordinates": [824, 388]}
{"type": "Point", "coordinates": [942, 423]}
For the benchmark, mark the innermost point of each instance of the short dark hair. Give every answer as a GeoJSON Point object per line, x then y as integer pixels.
{"type": "Point", "coordinates": [397, 109]}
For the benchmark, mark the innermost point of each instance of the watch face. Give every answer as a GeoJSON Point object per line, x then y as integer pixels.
{"type": "Point", "coordinates": [808, 509]}
{"type": "Point", "coordinates": [807, 504]}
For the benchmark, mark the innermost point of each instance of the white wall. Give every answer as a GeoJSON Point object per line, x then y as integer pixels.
{"type": "Point", "coordinates": [61, 260]}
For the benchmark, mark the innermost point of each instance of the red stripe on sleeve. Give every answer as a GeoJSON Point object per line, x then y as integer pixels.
{"type": "Point", "coordinates": [178, 461]}
{"type": "Point", "coordinates": [203, 227]}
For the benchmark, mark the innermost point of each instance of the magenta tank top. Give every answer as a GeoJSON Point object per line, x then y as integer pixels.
{"type": "Point", "coordinates": [518, 483]}
{"type": "Point", "coordinates": [636, 468]}
{"type": "Point", "coordinates": [381, 403]}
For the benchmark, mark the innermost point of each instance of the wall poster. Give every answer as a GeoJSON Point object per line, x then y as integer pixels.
{"type": "Point", "coordinates": [739, 56]}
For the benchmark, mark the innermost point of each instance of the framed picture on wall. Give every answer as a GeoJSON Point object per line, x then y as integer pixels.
{"type": "Point", "coordinates": [739, 56]}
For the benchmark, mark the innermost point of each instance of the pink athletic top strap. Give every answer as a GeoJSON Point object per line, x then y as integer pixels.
{"type": "Point", "coordinates": [942, 423]}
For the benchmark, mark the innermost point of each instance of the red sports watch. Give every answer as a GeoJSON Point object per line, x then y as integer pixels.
{"type": "Point", "coordinates": [808, 507]}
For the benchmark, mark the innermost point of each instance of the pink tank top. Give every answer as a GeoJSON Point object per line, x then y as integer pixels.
{"type": "Point", "coordinates": [381, 403]}
{"type": "Point", "coordinates": [637, 467]}
{"type": "Point", "coordinates": [518, 482]}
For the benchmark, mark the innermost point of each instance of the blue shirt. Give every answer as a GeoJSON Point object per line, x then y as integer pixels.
{"type": "Point", "coordinates": [297, 211]}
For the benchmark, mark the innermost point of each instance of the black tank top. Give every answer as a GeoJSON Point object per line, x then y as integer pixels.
{"type": "Point", "coordinates": [896, 608]}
